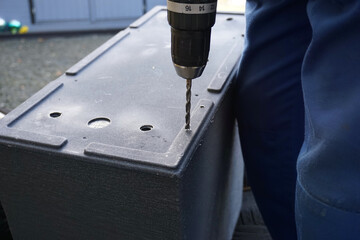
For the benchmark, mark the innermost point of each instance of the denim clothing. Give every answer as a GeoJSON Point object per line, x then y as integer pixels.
{"type": "Point", "coordinates": [301, 68]}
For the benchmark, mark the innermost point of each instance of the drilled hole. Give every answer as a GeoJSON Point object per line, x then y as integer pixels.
{"type": "Point", "coordinates": [55, 114]}
{"type": "Point", "coordinates": [146, 128]}
{"type": "Point", "coordinates": [229, 19]}
{"type": "Point", "coordinates": [196, 95]}
{"type": "Point", "coordinates": [202, 106]}
{"type": "Point", "coordinates": [99, 123]}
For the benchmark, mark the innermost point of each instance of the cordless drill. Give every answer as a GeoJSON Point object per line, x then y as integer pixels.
{"type": "Point", "coordinates": [191, 22]}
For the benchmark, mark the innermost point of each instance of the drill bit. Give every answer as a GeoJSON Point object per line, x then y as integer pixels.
{"type": "Point", "coordinates": [188, 103]}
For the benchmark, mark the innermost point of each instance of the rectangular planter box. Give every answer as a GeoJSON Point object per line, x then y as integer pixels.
{"type": "Point", "coordinates": [101, 152]}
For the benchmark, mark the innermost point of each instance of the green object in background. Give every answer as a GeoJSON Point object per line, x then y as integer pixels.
{"type": "Point", "coordinates": [14, 26]}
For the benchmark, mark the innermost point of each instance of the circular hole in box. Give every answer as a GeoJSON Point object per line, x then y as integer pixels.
{"type": "Point", "coordinates": [55, 114]}
{"type": "Point", "coordinates": [146, 128]}
{"type": "Point", "coordinates": [97, 123]}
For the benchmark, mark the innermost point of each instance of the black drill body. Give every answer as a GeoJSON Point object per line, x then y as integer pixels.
{"type": "Point", "coordinates": [191, 22]}
{"type": "Point", "coordinates": [191, 30]}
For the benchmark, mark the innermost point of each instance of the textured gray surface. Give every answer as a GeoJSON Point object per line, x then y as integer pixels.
{"type": "Point", "coordinates": [28, 64]}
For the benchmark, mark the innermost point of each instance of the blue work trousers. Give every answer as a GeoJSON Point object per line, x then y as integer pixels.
{"type": "Point", "coordinates": [298, 109]}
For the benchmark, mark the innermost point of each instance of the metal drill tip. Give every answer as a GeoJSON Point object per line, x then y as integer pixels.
{"type": "Point", "coordinates": [188, 103]}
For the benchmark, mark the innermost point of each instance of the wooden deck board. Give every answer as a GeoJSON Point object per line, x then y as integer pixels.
{"type": "Point", "coordinates": [250, 225]}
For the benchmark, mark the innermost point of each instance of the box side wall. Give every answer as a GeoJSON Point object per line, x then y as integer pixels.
{"type": "Point", "coordinates": [212, 184]}
{"type": "Point", "coordinates": [46, 197]}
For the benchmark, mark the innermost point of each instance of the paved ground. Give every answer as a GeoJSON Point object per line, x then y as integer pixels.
{"type": "Point", "coordinates": [28, 64]}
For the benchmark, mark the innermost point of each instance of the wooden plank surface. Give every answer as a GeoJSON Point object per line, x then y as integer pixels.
{"type": "Point", "coordinates": [250, 225]}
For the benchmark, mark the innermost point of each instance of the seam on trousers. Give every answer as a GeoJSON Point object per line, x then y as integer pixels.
{"type": "Point", "coordinates": [326, 204]}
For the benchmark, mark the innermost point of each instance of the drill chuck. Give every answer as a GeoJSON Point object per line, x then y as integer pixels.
{"type": "Point", "coordinates": [191, 22]}
{"type": "Point", "coordinates": [190, 51]}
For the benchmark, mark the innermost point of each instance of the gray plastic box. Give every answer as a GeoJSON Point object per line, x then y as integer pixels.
{"type": "Point", "coordinates": [101, 152]}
